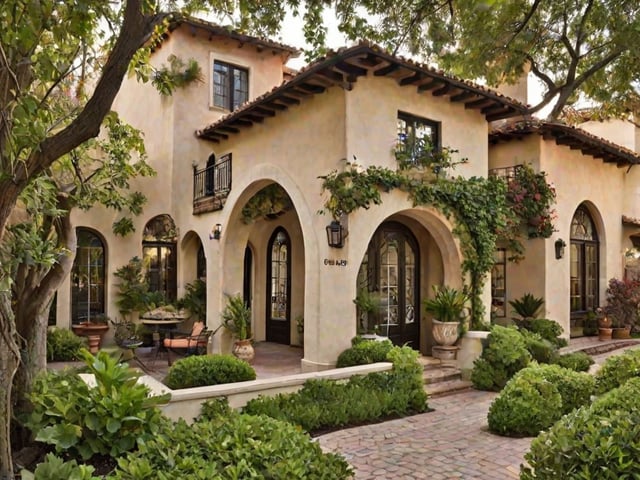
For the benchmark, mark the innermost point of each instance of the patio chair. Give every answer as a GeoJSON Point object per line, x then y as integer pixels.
{"type": "Point", "coordinates": [183, 344]}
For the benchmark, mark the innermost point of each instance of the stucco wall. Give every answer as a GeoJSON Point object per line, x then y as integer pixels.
{"type": "Point", "coordinates": [577, 178]}
{"type": "Point", "coordinates": [291, 149]}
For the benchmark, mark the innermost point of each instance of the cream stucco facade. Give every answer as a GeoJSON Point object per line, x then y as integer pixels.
{"type": "Point", "coordinates": [343, 107]}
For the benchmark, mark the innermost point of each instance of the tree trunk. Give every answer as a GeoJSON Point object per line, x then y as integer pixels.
{"type": "Point", "coordinates": [32, 297]}
{"type": "Point", "coordinates": [9, 360]}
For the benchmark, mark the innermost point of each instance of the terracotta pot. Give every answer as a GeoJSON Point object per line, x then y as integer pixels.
{"type": "Point", "coordinates": [604, 333]}
{"type": "Point", "coordinates": [623, 332]}
{"type": "Point", "coordinates": [94, 343]}
{"type": "Point", "coordinates": [445, 333]}
{"type": "Point", "coordinates": [604, 322]}
{"type": "Point", "coordinates": [244, 350]}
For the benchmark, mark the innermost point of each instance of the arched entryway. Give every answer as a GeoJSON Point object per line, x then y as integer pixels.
{"type": "Point", "coordinates": [390, 272]}
{"type": "Point", "coordinates": [88, 277]}
{"type": "Point", "coordinates": [278, 321]}
{"type": "Point", "coordinates": [584, 263]}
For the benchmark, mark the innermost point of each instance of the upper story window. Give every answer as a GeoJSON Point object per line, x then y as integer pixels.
{"type": "Point", "coordinates": [418, 139]}
{"type": "Point", "coordinates": [230, 85]}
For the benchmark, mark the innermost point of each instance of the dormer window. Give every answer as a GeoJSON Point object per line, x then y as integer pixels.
{"type": "Point", "coordinates": [230, 85]}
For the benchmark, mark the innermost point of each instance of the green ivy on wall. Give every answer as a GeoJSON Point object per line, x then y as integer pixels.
{"type": "Point", "coordinates": [481, 208]}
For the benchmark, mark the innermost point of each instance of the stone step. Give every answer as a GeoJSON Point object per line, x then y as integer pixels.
{"type": "Point", "coordinates": [433, 374]}
{"type": "Point", "coordinates": [441, 389]}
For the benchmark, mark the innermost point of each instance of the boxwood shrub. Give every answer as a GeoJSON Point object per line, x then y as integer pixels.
{"type": "Point", "coordinates": [541, 349]}
{"type": "Point", "coordinates": [547, 329]}
{"type": "Point", "coordinates": [364, 352]}
{"type": "Point", "coordinates": [322, 404]}
{"type": "Point", "coordinates": [230, 447]}
{"type": "Point", "coordinates": [599, 441]}
{"type": "Point", "coordinates": [577, 361]}
{"type": "Point", "coordinates": [616, 370]}
{"type": "Point", "coordinates": [63, 345]}
{"type": "Point", "coordinates": [201, 370]}
{"type": "Point", "coordinates": [536, 397]}
{"type": "Point", "coordinates": [504, 355]}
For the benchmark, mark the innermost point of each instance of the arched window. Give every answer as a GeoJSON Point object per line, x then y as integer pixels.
{"type": "Point", "coordinates": [87, 277]}
{"type": "Point", "coordinates": [279, 288]}
{"type": "Point", "coordinates": [159, 252]}
{"type": "Point", "coordinates": [584, 262]}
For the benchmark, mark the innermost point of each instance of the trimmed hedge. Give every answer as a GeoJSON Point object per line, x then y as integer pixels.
{"type": "Point", "coordinates": [232, 447]}
{"type": "Point", "coordinates": [201, 370]}
{"type": "Point", "coordinates": [327, 404]}
{"type": "Point", "coordinates": [536, 397]}
{"type": "Point", "coordinates": [576, 361]}
{"type": "Point", "coordinates": [600, 441]}
{"type": "Point", "coordinates": [504, 355]}
{"type": "Point", "coordinates": [547, 329]}
{"type": "Point", "coordinates": [616, 370]}
{"type": "Point", "coordinates": [364, 352]}
{"type": "Point", "coordinates": [541, 349]}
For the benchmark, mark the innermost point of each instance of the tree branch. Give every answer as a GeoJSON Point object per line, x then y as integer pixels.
{"type": "Point", "coordinates": [527, 18]}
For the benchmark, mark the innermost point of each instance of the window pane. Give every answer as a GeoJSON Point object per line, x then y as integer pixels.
{"type": "Point", "coordinates": [416, 137]}
{"type": "Point", "coordinates": [240, 86]}
{"type": "Point", "coordinates": [221, 85]}
{"type": "Point", "coordinates": [498, 276]}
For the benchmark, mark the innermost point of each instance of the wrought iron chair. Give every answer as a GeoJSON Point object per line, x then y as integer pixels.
{"type": "Point", "coordinates": [183, 344]}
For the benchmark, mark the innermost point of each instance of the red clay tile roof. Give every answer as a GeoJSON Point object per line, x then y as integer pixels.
{"type": "Point", "coordinates": [218, 30]}
{"type": "Point", "coordinates": [573, 137]}
{"type": "Point", "coordinates": [342, 68]}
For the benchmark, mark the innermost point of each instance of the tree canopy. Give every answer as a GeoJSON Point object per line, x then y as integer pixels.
{"type": "Point", "coordinates": [577, 49]}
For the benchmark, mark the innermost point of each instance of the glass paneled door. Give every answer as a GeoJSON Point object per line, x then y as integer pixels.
{"type": "Point", "coordinates": [390, 271]}
{"type": "Point", "coordinates": [88, 277]}
{"type": "Point", "coordinates": [279, 288]}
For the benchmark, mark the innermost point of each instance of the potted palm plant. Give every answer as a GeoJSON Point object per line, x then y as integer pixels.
{"type": "Point", "coordinates": [448, 307]}
{"type": "Point", "coordinates": [236, 317]}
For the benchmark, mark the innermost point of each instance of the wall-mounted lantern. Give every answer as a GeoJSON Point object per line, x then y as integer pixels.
{"type": "Point", "coordinates": [560, 245]}
{"type": "Point", "coordinates": [336, 234]}
{"type": "Point", "coordinates": [216, 232]}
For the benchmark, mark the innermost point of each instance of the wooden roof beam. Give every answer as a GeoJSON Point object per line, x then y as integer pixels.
{"type": "Point", "coordinates": [443, 90]}
{"type": "Point", "coordinates": [392, 67]}
{"type": "Point", "coordinates": [430, 85]}
{"type": "Point", "coordinates": [483, 102]}
{"type": "Point", "coordinates": [464, 95]}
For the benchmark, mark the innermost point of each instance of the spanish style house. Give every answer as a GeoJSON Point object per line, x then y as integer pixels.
{"type": "Point", "coordinates": [237, 195]}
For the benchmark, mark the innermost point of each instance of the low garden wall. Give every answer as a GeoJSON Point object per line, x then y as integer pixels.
{"type": "Point", "coordinates": [186, 403]}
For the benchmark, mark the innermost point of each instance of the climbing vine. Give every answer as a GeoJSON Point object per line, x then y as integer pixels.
{"type": "Point", "coordinates": [482, 211]}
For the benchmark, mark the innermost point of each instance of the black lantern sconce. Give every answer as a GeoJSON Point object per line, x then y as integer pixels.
{"type": "Point", "coordinates": [336, 234]}
{"type": "Point", "coordinates": [559, 244]}
{"type": "Point", "coordinates": [216, 232]}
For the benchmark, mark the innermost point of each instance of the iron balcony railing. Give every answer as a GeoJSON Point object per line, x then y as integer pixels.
{"type": "Point", "coordinates": [214, 180]}
{"type": "Point", "coordinates": [506, 173]}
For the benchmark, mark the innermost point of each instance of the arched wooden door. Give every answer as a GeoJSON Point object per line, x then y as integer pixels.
{"type": "Point", "coordinates": [278, 321]}
{"type": "Point", "coordinates": [390, 270]}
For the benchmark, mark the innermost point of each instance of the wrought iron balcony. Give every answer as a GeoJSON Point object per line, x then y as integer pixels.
{"type": "Point", "coordinates": [506, 173]}
{"type": "Point", "coordinates": [211, 186]}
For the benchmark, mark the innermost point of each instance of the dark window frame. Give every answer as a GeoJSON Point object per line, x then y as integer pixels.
{"type": "Point", "coordinates": [499, 301]}
{"type": "Point", "coordinates": [408, 126]}
{"type": "Point", "coordinates": [224, 75]}
{"type": "Point", "coordinates": [94, 306]}
{"type": "Point", "coordinates": [581, 245]}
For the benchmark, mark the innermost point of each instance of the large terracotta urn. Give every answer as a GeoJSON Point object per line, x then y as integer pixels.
{"type": "Point", "coordinates": [243, 349]}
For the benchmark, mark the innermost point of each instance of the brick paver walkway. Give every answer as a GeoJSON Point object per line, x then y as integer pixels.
{"type": "Point", "coordinates": [451, 442]}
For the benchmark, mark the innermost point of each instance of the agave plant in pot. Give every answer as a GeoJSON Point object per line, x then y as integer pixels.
{"type": "Point", "coordinates": [448, 307]}
{"type": "Point", "coordinates": [236, 317]}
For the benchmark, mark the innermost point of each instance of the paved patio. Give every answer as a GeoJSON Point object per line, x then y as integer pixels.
{"type": "Point", "coordinates": [449, 443]}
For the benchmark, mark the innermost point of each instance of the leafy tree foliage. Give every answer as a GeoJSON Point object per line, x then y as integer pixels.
{"type": "Point", "coordinates": [578, 48]}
